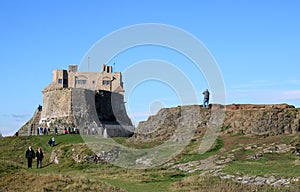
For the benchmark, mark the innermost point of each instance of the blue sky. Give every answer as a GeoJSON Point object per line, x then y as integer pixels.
{"type": "Point", "coordinates": [255, 43]}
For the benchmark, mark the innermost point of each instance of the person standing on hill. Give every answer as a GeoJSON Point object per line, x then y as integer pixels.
{"type": "Point", "coordinates": [29, 155]}
{"type": "Point", "coordinates": [206, 98]}
{"type": "Point", "coordinates": [39, 157]}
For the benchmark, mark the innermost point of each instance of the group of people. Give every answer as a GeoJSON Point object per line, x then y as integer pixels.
{"type": "Point", "coordinates": [43, 131]}
{"type": "Point", "coordinates": [30, 155]}
{"type": "Point", "coordinates": [71, 130]}
{"type": "Point", "coordinates": [39, 155]}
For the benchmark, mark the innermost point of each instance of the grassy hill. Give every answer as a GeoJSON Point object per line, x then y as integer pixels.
{"type": "Point", "coordinates": [188, 171]}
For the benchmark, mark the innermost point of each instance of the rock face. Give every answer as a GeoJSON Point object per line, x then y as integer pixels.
{"type": "Point", "coordinates": [263, 121]}
{"type": "Point", "coordinates": [164, 124]}
{"type": "Point", "coordinates": [239, 119]}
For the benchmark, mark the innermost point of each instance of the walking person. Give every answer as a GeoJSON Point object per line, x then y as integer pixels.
{"type": "Point", "coordinates": [29, 155]}
{"type": "Point", "coordinates": [206, 98]}
{"type": "Point", "coordinates": [45, 131]}
{"type": "Point", "coordinates": [55, 130]}
{"type": "Point", "coordinates": [39, 157]}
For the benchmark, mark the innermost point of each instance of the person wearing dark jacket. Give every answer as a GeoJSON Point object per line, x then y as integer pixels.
{"type": "Point", "coordinates": [206, 98]}
{"type": "Point", "coordinates": [39, 157]}
{"type": "Point", "coordinates": [29, 155]}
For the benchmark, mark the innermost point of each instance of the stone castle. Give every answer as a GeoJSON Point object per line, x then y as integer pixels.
{"type": "Point", "coordinates": [85, 101]}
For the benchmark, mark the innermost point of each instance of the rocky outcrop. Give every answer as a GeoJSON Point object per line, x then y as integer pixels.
{"type": "Point", "coordinates": [239, 119]}
{"type": "Point", "coordinates": [103, 156]}
{"type": "Point", "coordinates": [256, 107]}
{"type": "Point", "coordinates": [55, 156]}
{"type": "Point", "coordinates": [215, 165]}
{"type": "Point", "coordinates": [281, 119]}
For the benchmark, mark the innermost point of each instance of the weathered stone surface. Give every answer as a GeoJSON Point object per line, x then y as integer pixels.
{"type": "Point", "coordinates": [56, 104]}
{"type": "Point", "coordinates": [257, 107]}
{"type": "Point", "coordinates": [208, 164]}
{"type": "Point", "coordinates": [103, 156]}
{"type": "Point", "coordinates": [55, 156]}
{"type": "Point", "coordinates": [176, 122]}
{"type": "Point", "coordinates": [281, 182]}
{"type": "Point", "coordinates": [84, 109]}
{"type": "Point", "coordinates": [94, 153]}
{"type": "Point", "coordinates": [239, 119]}
{"type": "Point", "coordinates": [144, 161]}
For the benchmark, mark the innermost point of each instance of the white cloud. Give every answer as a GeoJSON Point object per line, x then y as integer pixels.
{"type": "Point", "coordinates": [264, 96]}
{"type": "Point", "coordinates": [257, 84]}
{"type": "Point", "coordinates": [6, 131]}
{"type": "Point", "coordinates": [291, 95]}
{"type": "Point", "coordinates": [20, 116]}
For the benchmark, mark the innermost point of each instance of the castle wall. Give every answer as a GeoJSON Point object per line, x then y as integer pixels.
{"type": "Point", "coordinates": [85, 80]}
{"type": "Point", "coordinates": [117, 82]}
{"type": "Point", "coordinates": [60, 77]}
{"type": "Point", "coordinates": [56, 104]}
{"type": "Point", "coordinates": [110, 107]}
{"type": "Point", "coordinates": [83, 108]}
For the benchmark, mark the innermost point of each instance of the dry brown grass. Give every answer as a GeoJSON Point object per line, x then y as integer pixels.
{"type": "Point", "coordinates": [24, 181]}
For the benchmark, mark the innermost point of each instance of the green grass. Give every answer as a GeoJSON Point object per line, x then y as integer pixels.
{"type": "Point", "coordinates": [270, 164]}
{"type": "Point", "coordinates": [146, 180]}
{"type": "Point", "coordinates": [190, 154]}
{"type": "Point", "coordinates": [71, 176]}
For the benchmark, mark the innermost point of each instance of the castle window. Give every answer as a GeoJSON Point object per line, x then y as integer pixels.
{"type": "Point", "coordinates": [60, 81]}
{"type": "Point", "coordinates": [106, 82]}
{"type": "Point", "coordinates": [80, 82]}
